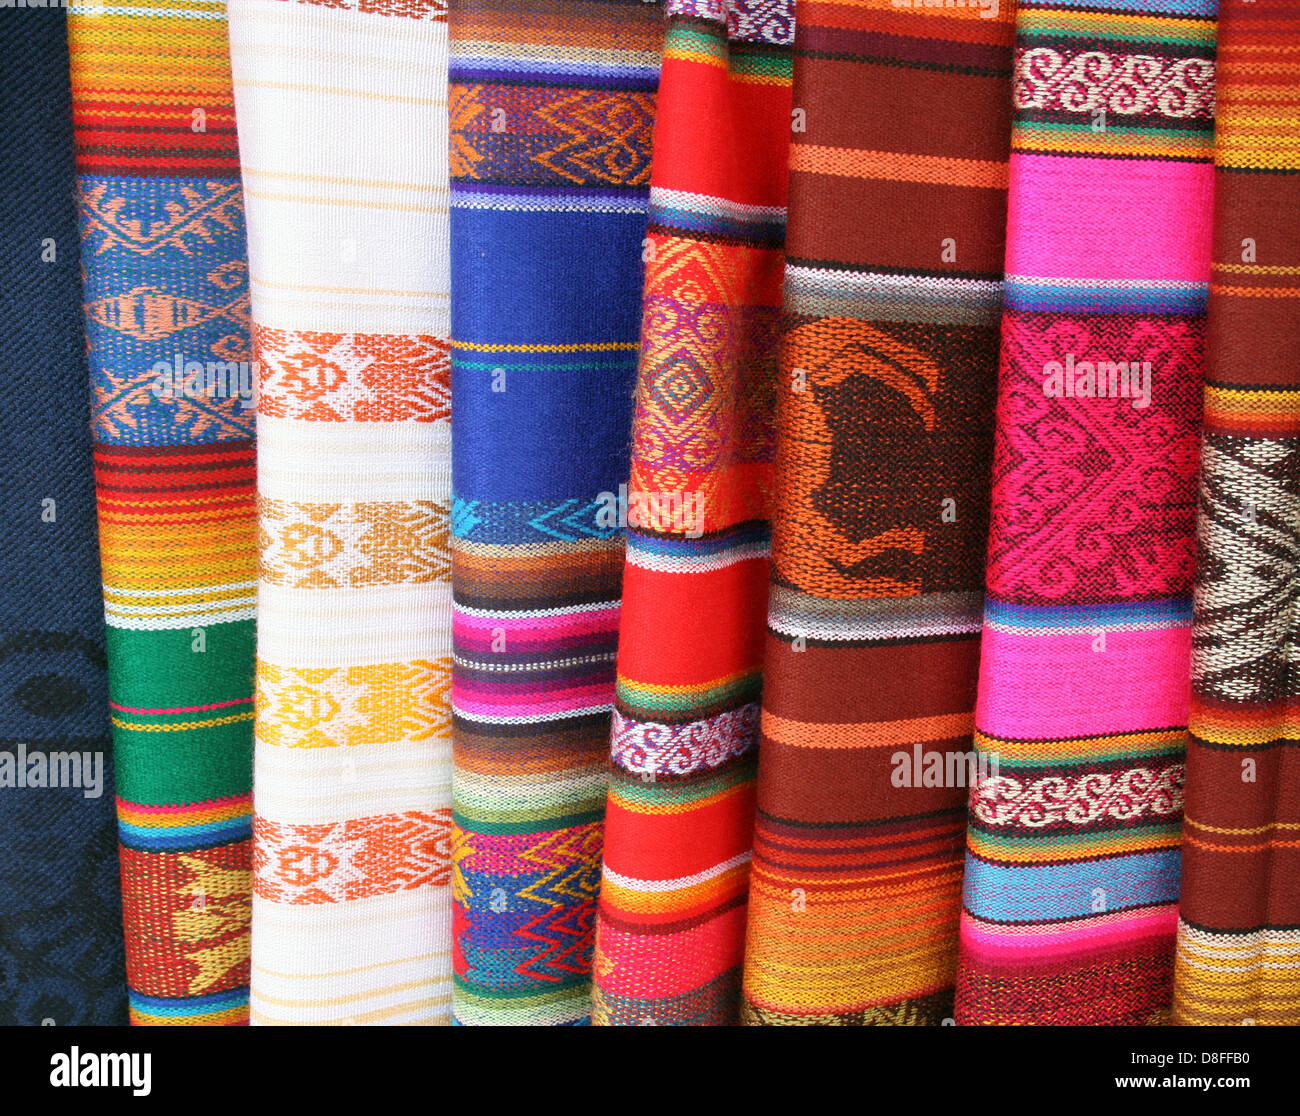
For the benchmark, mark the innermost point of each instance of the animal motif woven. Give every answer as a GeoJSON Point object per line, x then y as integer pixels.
{"type": "Point", "coordinates": [894, 256]}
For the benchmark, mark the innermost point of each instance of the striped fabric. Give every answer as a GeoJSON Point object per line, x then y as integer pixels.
{"type": "Point", "coordinates": [1073, 843]}
{"type": "Point", "coordinates": [894, 253]}
{"type": "Point", "coordinates": [671, 923]}
{"type": "Point", "coordinates": [551, 106]}
{"type": "Point", "coordinates": [166, 310]}
{"type": "Point", "coordinates": [60, 912]}
{"type": "Point", "coordinates": [342, 144]}
{"type": "Point", "coordinates": [1238, 955]}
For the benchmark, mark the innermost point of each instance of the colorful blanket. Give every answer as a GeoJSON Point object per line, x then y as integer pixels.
{"type": "Point", "coordinates": [343, 145]}
{"type": "Point", "coordinates": [681, 804]}
{"type": "Point", "coordinates": [892, 291]}
{"type": "Point", "coordinates": [1072, 866]}
{"type": "Point", "coordinates": [166, 311]}
{"type": "Point", "coordinates": [552, 106]}
{"type": "Point", "coordinates": [1238, 955]}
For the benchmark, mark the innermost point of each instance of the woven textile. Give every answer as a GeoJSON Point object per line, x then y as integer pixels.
{"type": "Point", "coordinates": [342, 132]}
{"type": "Point", "coordinates": [1073, 842]}
{"type": "Point", "coordinates": [1238, 954]}
{"type": "Point", "coordinates": [894, 255]}
{"type": "Point", "coordinates": [551, 105]}
{"type": "Point", "coordinates": [166, 309]}
{"type": "Point", "coordinates": [60, 913]}
{"type": "Point", "coordinates": [679, 824]}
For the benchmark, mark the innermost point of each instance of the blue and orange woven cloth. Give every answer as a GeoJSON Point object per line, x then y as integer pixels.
{"type": "Point", "coordinates": [171, 378]}
{"type": "Point", "coordinates": [552, 112]}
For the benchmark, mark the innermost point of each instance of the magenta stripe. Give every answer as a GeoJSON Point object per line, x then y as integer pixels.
{"type": "Point", "coordinates": [1056, 687]}
{"type": "Point", "coordinates": [1134, 220]}
{"type": "Point", "coordinates": [184, 708]}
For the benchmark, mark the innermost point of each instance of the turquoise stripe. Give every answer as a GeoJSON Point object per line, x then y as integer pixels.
{"type": "Point", "coordinates": [1171, 612]}
{"type": "Point", "coordinates": [1183, 298]}
{"type": "Point", "coordinates": [1057, 892]}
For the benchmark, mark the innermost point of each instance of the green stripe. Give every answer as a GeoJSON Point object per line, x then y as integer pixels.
{"type": "Point", "coordinates": [1043, 25]}
{"type": "Point", "coordinates": [697, 40]}
{"type": "Point", "coordinates": [195, 765]}
{"type": "Point", "coordinates": [1169, 829]}
{"type": "Point", "coordinates": [1024, 765]}
{"type": "Point", "coordinates": [767, 65]}
{"type": "Point", "coordinates": [644, 704]}
{"type": "Point", "coordinates": [161, 669]}
{"type": "Point", "coordinates": [684, 791]}
{"type": "Point", "coordinates": [498, 825]}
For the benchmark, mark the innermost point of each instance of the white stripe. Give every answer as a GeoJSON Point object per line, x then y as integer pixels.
{"type": "Point", "coordinates": [353, 627]}
{"type": "Point", "coordinates": [634, 884]}
{"type": "Point", "coordinates": [353, 462]}
{"type": "Point", "coordinates": [684, 199]}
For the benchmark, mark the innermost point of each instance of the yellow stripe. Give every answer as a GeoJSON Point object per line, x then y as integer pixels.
{"type": "Point", "coordinates": [182, 726]}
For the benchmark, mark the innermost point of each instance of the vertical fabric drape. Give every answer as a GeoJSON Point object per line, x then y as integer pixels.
{"type": "Point", "coordinates": [343, 145]}
{"type": "Point", "coordinates": [1238, 954]}
{"type": "Point", "coordinates": [552, 108]}
{"type": "Point", "coordinates": [671, 923]}
{"type": "Point", "coordinates": [166, 313]}
{"type": "Point", "coordinates": [898, 171]}
{"type": "Point", "coordinates": [60, 915]}
{"type": "Point", "coordinates": [1071, 885]}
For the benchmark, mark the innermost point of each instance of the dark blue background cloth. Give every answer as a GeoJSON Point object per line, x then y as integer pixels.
{"type": "Point", "coordinates": [60, 905]}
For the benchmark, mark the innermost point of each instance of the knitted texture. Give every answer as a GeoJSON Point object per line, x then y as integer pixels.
{"type": "Point", "coordinates": [1238, 956]}
{"type": "Point", "coordinates": [60, 911]}
{"type": "Point", "coordinates": [552, 109]}
{"type": "Point", "coordinates": [678, 827]}
{"type": "Point", "coordinates": [1073, 842]}
{"type": "Point", "coordinates": [894, 255]}
{"type": "Point", "coordinates": [167, 333]}
{"type": "Point", "coordinates": [343, 145]}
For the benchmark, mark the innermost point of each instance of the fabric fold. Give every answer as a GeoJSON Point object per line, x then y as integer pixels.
{"type": "Point", "coordinates": [551, 105]}
{"type": "Point", "coordinates": [1072, 868]}
{"type": "Point", "coordinates": [166, 315]}
{"type": "Point", "coordinates": [678, 828]}
{"type": "Point", "coordinates": [60, 907]}
{"type": "Point", "coordinates": [1238, 954]}
{"type": "Point", "coordinates": [894, 245]}
{"type": "Point", "coordinates": [342, 130]}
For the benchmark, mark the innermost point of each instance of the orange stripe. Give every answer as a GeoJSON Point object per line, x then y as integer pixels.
{"type": "Point", "coordinates": [934, 169]}
{"type": "Point", "coordinates": [867, 734]}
